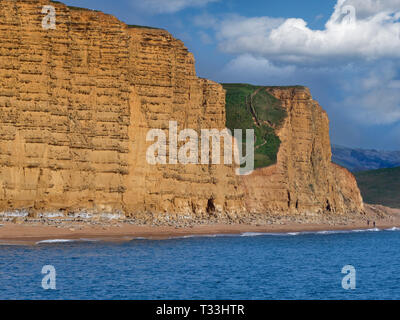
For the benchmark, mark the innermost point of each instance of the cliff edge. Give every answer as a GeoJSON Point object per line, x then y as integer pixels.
{"type": "Point", "coordinates": [77, 102]}
{"type": "Point", "coordinates": [303, 180]}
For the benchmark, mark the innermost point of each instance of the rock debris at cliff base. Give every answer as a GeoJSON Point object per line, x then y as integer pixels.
{"type": "Point", "coordinates": [77, 102]}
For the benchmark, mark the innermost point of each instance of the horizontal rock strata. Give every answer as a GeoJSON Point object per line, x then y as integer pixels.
{"type": "Point", "coordinates": [77, 102]}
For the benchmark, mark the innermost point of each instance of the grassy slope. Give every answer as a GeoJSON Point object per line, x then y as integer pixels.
{"type": "Point", "coordinates": [380, 186]}
{"type": "Point", "coordinates": [269, 114]}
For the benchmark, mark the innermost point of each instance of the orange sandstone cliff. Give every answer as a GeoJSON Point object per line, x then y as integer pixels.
{"type": "Point", "coordinates": [77, 102]}
{"type": "Point", "coordinates": [304, 180]}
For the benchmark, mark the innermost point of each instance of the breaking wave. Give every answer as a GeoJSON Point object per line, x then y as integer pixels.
{"type": "Point", "coordinates": [57, 241]}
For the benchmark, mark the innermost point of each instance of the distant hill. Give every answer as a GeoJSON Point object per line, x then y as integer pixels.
{"type": "Point", "coordinates": [380, 186]}
{"type": "Point", "coordinates": [357, 160]}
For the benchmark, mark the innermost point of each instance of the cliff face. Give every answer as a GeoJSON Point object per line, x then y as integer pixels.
{"type": "Point", "coordinates": [77, 102]}
{"type": "Point", "coordinates": [164, 88]}
{"type": "Point", "coordinates": [304, 180]}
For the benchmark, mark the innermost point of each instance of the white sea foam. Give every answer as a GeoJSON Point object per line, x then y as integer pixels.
{"type": "Point", "coordinates": [55, 241]}
{"type": "Point", "coordinates": [329, 232]}
{"type": "Point", "coordinates": [204, 236]}
{"type": "Point", "coordinates": [258, 234]}
{"type": "Point", "coordinates": [347, 231]}
{"type": "Point", "coordinates": [245, 234]}
{"type": "Point", "coordinates": [323, 232]}
{"type": "Point", "coordinates": [393, 229]}
{"type": "Point", "coordinates": [367, 230]}
{"type": "Point", "coordinates": [50, 241]}
{"type": "Point", "coordinates": [252, 234]}
{"type": "Point", "coordinates": [219, 235]}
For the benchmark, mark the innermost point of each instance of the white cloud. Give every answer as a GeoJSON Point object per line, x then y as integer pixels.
{"type": "Point", "coordinates": [366, 8]}
{"type": "Point", "coordinates": [247, 64]}
{"type": "Point", "coordinates": [344, 39]}
{"type": "Point", "coordinates": [257, 28]}
{"type": "Point", "coordinates": [169, 6]}
{"type": "Point", "coordinates": [375, 98]}
{"type": "Point", "coordinates": [367, 94]}
{"type": "Point", "coordinates": [352, 65]}
{"type": "Point", "coordinates": [206, 20]}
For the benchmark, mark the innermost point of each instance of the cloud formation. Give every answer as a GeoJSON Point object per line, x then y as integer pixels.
{"type": "Point", "coordinates": [367, 8]}
{"type": "Point", "coordinates": [374, 98]}
{"type": "Point", "coordinates": [247, 68]}
{"type": "Point", "coordinates": [351, 64]}
{"type": "Point", "coordinates": [169, 6]}
{"type": "Point", "coordinates": [347, 36]}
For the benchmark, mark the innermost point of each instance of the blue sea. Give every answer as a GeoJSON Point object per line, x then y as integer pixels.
{"type": "Point", "coordinates": [247, 266]}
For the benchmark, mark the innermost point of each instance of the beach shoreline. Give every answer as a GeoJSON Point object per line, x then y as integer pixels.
{"type": "Point", "coordinates": [30, 235]}
{"type": "Point", "coordinates": [29, 232]}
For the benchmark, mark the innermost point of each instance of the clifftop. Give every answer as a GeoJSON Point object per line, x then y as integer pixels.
{"type": "Point", "coordinates": [303, 180]}
{"type": "Point", "coordinates": [76, 105]}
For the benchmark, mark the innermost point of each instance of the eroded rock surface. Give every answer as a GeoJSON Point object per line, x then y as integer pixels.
{"type": "Point", "coordinates": [77, 102]}
{"type": "Point", "coordinates": [304, 180]}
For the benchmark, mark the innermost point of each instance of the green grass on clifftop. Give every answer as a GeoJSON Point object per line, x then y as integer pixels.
{"type": "Point", "coordinates": [380, 186]}
{"type": "Point", "coordinates": [252, 107]}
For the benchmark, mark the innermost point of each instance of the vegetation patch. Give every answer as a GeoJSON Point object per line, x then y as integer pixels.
{"type": "Point", "coordinates": [252, 107]}
{"type": "Point", "coordinates": [380, 186]}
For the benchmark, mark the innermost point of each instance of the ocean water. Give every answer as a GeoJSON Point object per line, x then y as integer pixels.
{"type": "Point", "coordinates": [248, 266]}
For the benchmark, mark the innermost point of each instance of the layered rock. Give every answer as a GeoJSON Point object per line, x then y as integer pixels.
{"type": "Point", "coordinates": [77, 102]}
{"type": "Point", "coordinates": [164, 88]}
{"type": "Point", "coordinates": [304, 180]}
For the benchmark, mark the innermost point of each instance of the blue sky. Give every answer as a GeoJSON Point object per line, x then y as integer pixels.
{"type": "Point", "coordinates": [346, 51]}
